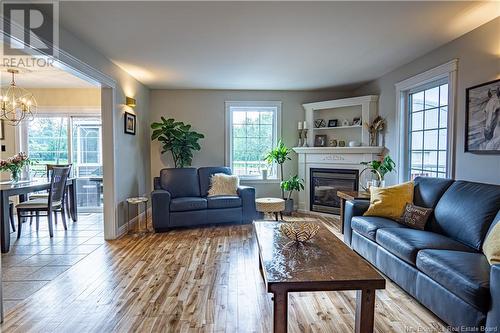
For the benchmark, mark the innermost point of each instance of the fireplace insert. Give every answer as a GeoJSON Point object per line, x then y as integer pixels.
{"type": "Point", "coordinates": [324, 186]}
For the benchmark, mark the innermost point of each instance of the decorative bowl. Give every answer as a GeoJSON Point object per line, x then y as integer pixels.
{"type": "Point", "coordinates": [299, 232]}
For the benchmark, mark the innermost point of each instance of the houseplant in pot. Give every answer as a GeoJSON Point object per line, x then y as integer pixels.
{"type": "Point", "coordinates": [279, 155]}
{"type": "Point", "coordinates": [380, 168]}
{"type": "Point", "coordinates": [293, 183]}
{"type": "Point", "coordinates": [178, 138]}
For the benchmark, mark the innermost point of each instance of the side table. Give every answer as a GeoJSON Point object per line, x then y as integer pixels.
{"type": "Point", "coordinates": [138, 201]}
{"type": "Point", "coordinates": [270, 205]}
{"type": "Point", "coordinates": [349, 195]}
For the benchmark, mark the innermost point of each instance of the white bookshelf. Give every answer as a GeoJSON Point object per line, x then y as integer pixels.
{"type": "Point", "coordinates": [363, 107]}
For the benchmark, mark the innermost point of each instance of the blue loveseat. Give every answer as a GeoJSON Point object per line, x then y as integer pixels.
{"type": "Point", "coordinates": [442, 266]}
{"type": "Point", "coordinates": [179, 199]}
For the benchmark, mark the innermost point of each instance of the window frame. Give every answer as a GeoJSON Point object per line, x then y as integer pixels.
{"type": "Point", "coordinates": [445, 72]}
{"type": "Point", "coordinates": [229, 138]}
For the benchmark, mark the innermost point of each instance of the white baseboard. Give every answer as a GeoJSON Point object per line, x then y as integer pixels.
{"type": "Point", "coordinates": [133, 222]}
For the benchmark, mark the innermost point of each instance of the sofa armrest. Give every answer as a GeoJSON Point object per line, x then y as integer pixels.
{"type": "Point", "coordinates": [353, 208]}
{"type": "Point", "coordinates": [160, 205]}
{"type": "Point", "coordinates": [156, 183]}
{"type": "Point", "coordinates": [247, 195]}
{"type": "Point", "coordinates": [493, 318]}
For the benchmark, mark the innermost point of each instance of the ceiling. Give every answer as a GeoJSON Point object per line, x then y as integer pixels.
{"type": "Point", "coordinates": [268, 45]}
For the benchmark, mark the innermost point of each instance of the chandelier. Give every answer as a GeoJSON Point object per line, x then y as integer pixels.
{"type": "Point", "coordinates": [16, 103]}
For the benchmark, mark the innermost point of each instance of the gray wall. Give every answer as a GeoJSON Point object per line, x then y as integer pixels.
{"type": "Point", "coordinates": [478, 61]}
{"type": "Point", "coordinates": [132, 166]}
{"type": "Point", "coordinates": [204, 109]}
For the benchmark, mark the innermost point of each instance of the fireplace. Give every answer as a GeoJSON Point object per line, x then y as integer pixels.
{"type": "Point", "coordinates": [324, 186]}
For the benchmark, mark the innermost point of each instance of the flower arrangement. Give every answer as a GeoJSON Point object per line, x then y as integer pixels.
{"type": "Point", "coordinates": [377, 125]}
{"type": "Point", "coordinates": [15, 164]}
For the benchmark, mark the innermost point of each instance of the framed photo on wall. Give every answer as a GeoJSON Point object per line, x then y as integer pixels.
{"type": "Point", "coordinates": [2, 133]}
{"type": "Point", "coordinates": [130, 123]}
{"type": "Point", "coordinates": [482, 118]}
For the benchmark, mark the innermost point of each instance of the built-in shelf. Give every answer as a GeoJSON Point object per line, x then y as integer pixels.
{"type": "Point", "coordinates": [337, 127]}
{"type": "Point", "coordinates": [339, 150]}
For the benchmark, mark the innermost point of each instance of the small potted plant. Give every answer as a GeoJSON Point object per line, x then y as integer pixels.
{"type": "Point", "coordinates": [279, 155]}
{"type": "Point", "coordinates": [15, 165]}
{"type": "Point", "coordinates": [381, 168]}
{"type": "Point", "coordinates": [293, 183]}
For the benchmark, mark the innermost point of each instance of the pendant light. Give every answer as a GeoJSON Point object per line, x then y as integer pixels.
{"type": "Point", "coordinates": [16, 103]}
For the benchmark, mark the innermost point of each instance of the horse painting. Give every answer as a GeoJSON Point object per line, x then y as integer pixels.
{"type": "Point", "coordinates": [483, 118]}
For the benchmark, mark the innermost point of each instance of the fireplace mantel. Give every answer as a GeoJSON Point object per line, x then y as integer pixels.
{"type": "Point", "coordinates": [334, 158]}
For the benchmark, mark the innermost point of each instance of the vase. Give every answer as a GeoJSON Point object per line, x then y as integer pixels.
{"type": "Point", "coordinates": [373, 139]}
{"type": "Point", "coordinates": [15, 175]}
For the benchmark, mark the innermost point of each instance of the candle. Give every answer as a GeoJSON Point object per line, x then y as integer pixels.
{"type": "Point", "coordinates": [299, 125]}
{"type": "Point", "coordinates": [305, 124]}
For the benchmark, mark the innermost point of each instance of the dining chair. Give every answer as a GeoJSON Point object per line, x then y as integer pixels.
{"type": "Point", "coordinates": [43, 195]}
{"type": "Point", "coordinates": [53, 204]}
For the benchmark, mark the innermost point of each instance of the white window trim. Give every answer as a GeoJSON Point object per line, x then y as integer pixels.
{"type": "Point", "coordinates": [445, 71]}
{"type": "Point", "coordinates": [228, 137]}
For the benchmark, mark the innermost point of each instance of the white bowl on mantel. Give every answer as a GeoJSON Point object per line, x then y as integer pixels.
{"type": "Point", "coordinates": [354, 144]}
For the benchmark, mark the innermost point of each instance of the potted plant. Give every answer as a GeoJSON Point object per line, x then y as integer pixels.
{"type": "Point", "coordinates": [279, 155]}
{"type": "Point", "coordinates": [178, 138]}
{"type": "Point", "coordinates": [291, 184]}
{"type": "Point", "coordinates": [381, 168]}
{"type": "Point", "coordinates": [15, 164]}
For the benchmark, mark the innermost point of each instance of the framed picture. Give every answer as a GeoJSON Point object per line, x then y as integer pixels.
{"type": "Point", "coordinates": [130, 123]}
{"type": "Point", "coordinates": [482, 118]}
{"type": "Point", "coordinates": [320, 140]}
{"type": "Point", "coordinates": [2, 133]}
{"type": "Point", "coordinates": [333, 123]}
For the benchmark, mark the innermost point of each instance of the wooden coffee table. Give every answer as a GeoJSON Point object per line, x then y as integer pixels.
{"type": "Point", "coordinates": [323, 264]}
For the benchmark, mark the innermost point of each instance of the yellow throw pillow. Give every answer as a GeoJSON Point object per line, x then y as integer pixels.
{"type": "Point", "coordinates": [491, 246]}
{"type": "Point", "coordinates": [390, 201]}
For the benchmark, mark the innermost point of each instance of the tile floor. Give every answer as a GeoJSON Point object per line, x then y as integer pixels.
{"type": "Point", "coordinates": [36, 259]}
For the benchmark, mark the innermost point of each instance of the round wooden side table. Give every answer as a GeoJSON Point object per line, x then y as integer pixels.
{"type": "Point", "coordinates": [138, 201]}
{"type": "Point", "coordinates": [270, 205]}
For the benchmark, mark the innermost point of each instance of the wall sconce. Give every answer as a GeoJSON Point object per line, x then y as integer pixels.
{"type": "Point", "coordinates": [129, 101]}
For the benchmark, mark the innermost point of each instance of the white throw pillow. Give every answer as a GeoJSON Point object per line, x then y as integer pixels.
{"type": "Point", "coordinates": [222, 184]}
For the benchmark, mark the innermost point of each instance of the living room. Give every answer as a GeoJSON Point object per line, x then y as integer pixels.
{"type": "Point", "coordinates": [262, 161]}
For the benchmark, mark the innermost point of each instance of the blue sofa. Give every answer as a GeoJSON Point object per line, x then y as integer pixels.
{"type": "Point", "coordinates": [179, 199]}
{"type": "Point", "coordinates": [442, 266]}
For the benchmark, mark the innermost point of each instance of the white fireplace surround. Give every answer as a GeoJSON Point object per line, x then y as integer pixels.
{"type": "Point", "coordinates": [331, 158]}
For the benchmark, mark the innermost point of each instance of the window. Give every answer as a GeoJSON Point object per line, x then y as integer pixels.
{"type": "Point", "coordinates": [425, 111]}
{"type": "Point", "coordinates": [252, 130]}
{"type": "Point", "coordinates": [428, 131]}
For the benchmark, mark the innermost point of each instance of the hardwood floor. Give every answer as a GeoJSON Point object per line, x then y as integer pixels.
{"type": "Point", "coordinates": [194, 280]}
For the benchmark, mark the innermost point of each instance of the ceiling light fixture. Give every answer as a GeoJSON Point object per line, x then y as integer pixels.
{"type": "Point", "coordinates": [17, 104]}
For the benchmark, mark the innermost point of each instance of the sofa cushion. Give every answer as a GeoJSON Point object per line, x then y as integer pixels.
{"type": "Point", "coordinates": [466, 210]}
{"type": "Point", "coordinates": [180, 182]}
{"type": "Point", "coordinates": [187, 203]}
{"type": "Point", "coordinates": [223, 201]}
{"type": "Point", "coordinates": [368, 225]}
{"type": "Point", "coordinates": [206, 173]}
{"type": "Point", "coordinates": [428, 190]}
{"type": "Point", "coordinates": [465, 274]}
{"type": "Point", "coordinates": [405, 243]}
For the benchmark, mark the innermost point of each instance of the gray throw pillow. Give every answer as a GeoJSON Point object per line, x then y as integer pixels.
{"type": "Point", "coordinates": [415, 217]}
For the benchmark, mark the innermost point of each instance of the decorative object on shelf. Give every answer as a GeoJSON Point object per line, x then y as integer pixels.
{"type": "Point", "coordinates": [333, 143]}
{"type": "Point", "coordinates": [304, 137]}
{"type": "Point", "coordinates": [15, 165]}
{"type": "Point", "coordinates": [341, 143]}
{"type": "Point", "coordinates": [354, 143]}
{"type": "Point", "coordinates": [17, 104]}
{"type": "Point", "coordinates": [333, 123]}
{"type": "Point", "coordinates": [482, 118]}
{"type": "Point", "coordinates": [178, 138]}
{"type": "Point", "coordinates": [291, 184]}
{"type": "Point", "coordinates": [345, 123]}
{"type": "Point", "coordinates": [356, 121]}
{"type": "Point", "coordinates": [280, 154]}
{"type": "Point", "coordinates": [299, 143]}
{"type": "Point", "coordinates": [320, 140]}
{"type": "Point", "coordinates": [379, 168]}
{"type": "Point", "coordinates": [131, 102]}
{"type": "Point", "coordinates": [299, 232]}
{"type": "Point", "coordinates": [129, 123]}
{"type": "Point", "coordinates": [319, 123]}
{"type": "Point", "coordinates": [374, 128]}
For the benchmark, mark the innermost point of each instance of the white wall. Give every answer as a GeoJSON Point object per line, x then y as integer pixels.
{"type": "Point", "coordinates": [204, 109]}
{"type": "Point", "coordinates": [478, 54]}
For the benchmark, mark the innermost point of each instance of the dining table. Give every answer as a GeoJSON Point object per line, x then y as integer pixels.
{"type": "Point", "coordinates": [21, 189]}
